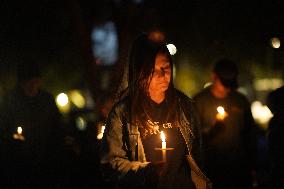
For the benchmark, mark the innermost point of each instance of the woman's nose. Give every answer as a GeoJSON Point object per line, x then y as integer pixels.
{"type": "Point", "coordinates": [161, 73]}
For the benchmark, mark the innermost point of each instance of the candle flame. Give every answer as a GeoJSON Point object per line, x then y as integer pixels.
{"type": "Point", "coordinates": [103, 129]}
{"type": "Point", "coordinates": [101, 133]}
{"type": "Point", "coordinates": [19, 130]}
{"type": "Point", "coordinates": [220, 110]}
{"type": "Point", "coordinates": [163, 137]}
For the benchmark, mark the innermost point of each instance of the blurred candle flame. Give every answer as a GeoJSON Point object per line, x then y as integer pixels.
{"type": "Point", "coordinates": [163, 137]}
{"type": "Point", "coordinates": [19, 134]}
{"type": "Point", "coordinates": [19, 130]}
{"type": "Point", "coordinates": [221, 115]}
{"type": "Point", "coordinates": [101, 133]}
{"type": "Point", "coordinates": [220, 110]}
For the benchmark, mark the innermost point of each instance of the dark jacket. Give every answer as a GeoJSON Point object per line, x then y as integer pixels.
{"type": "Point", "coordinates": [122, 157]}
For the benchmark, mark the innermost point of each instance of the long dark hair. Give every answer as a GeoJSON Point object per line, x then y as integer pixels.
{"type": "Point", "coordinates": [141, 68]}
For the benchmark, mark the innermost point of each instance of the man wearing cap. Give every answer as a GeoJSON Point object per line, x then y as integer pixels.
{"type": "Point", "coordinates": [227, 129]}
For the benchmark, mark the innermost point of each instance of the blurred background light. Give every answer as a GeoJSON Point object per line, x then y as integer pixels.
{"type": "Point", "coordinates": [275, 42]}
{"type": "Point", "coordinates": [81, 123]}
{"type": "Point", "coordinates": [267, 84]}
{"type": "Point", "coordinates": [172, 49]}
{"type": "Point", "coordinates": [77, 98]}
{"type": "Point", "coordinates": [261, 113]}
{"type": "Point", "coordinates": [174, 71]}
{"type": "Point", "coordinates": [243, 90]}
{"type": "Point", "coordinates": [62, 99]}
{"type": "Point", "coordinates": [207, 84]}
{"type": "Point", "coordinates": [62, 102]}
{"type": "Point", "coordinates": [105, 43]}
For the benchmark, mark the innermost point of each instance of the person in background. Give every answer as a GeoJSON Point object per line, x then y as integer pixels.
{"type": "Point", "coordinates": [149, 107]}
{"type": "Point", "coordinates": [30, 131]}
{"type": "Point", "coordinates": [275, 138]}
{"type": "Point", "coordinates": [228, 129]}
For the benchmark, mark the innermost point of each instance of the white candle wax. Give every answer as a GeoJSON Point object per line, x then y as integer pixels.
{"type": "Point", "coordinates": [164, 146]}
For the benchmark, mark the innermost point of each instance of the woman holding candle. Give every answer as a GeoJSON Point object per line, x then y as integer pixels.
{"type": "Point", "coordinates": [149, 106]}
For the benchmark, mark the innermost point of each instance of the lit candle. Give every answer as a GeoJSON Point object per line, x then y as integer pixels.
{"type": "Point", "coordinates": [222, 114]}
{"type": "Point", "coordinates": [19, 134]}
{"type": "Point", "coordinates": [19, 130]}
{"type": "Point", "coordinates": [101, 133]}
{"type": "Point", "coordinates": [164, 146]}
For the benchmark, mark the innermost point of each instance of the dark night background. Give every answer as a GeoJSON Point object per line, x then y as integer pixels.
{"type": "Point", "coordinates": [56, 32]}
{"type": "Point", "coordinates": [57, 35]}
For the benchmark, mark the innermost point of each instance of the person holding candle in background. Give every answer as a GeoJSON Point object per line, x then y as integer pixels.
{"type": "Point", "coordinates": [150, 107]}
{"type": "Point", "coordinates": [228, 129]}
{"type": "Point", "coordinates": [30, 126]}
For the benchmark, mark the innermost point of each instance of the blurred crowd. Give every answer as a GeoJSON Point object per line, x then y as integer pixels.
{"type": "Point", "coordinates": [40, 150]}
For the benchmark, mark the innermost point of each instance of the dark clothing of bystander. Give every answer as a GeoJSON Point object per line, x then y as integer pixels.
{"type": "Point", "coordinates": [275, 138]}
{"type": "Point", "coordinates": [30, 160]}
{"type": "Point", "coordinates": [229, 144]}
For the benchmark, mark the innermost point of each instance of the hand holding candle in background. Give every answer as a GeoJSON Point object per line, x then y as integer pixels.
{"type": "Point", "coordinates": [19, 134]}
{"type": "Point", "coordinates": [222, 114]}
